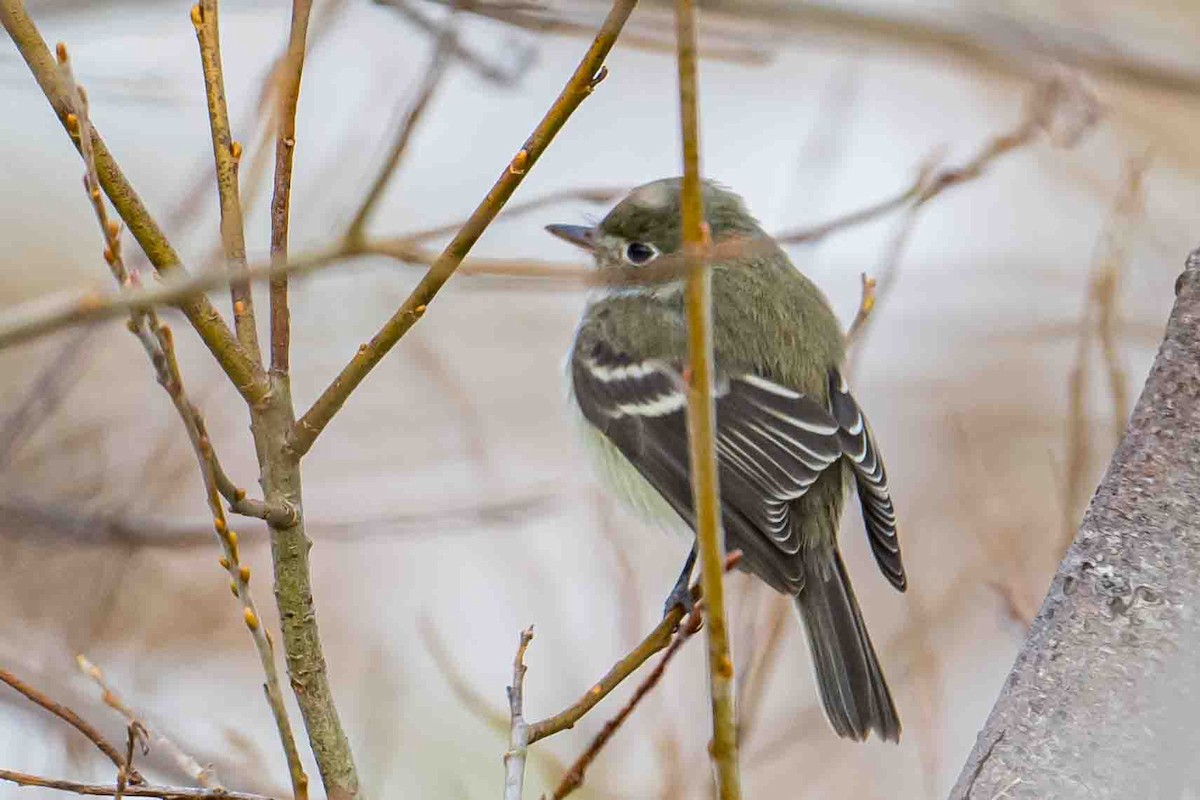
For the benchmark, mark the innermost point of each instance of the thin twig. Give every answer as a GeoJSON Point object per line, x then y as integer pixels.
{"type": "Point", "coordinates": [573, 779]}
{"type": "Point", "coordinates": [245, 374]}
{"type": "Point", "coordinates": [701, 417]}
{"type": "Point", "coordinates": [653, 642]}
{"type": "Point", "coordinates": [141, 790]}
{"type": "Point", "coordinates": [290, 72]}
{"type": "Point", "coordinates": [58, 376]}
{"type": "Point", "coordinates": [518, 738]}
{"type": "Point", "coordinates": [187, 765]}
{"type": "Point", "coordinates": [136, 733]}
{"type": "Point", "coordinates": [226, 154]}
{"type": "Point", "coordinates": [439, 61]}
{"type": "Point", "coordinates": [584, 80]}
{"type": "Point", "coordinates": [71, 718]}
{"type": "Point", "coordinates": [865, 304]}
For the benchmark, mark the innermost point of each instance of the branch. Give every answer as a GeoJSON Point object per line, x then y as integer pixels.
{"type": "Point", "coordinates": [143, 790]}
{"type": "Point", "coordinates": [1116, 638]}
{"type": "Point", "coordinates": [701, 417]}
{"type": "Point", "coordinates": [246, 375]}
{"type": "Point", "coordinates": [74, 720]}
{"type": "Point", "coordinates": [587, 75]}
{"type": "Point", "coordinates": [187, 765]}
{"type": "Point", "coordinates": [654, 641]}
{"type": "Point", "coordinates": [573, 779]}
{"type": "Point", "coordinates": [289, 74]}
{"type": "Point", "coordinates": [518, 737]}
{"type": "Point", "coordinates": [158, 342]}
{"type": "Point", "coordinates": [865, 305]}
{"type": "Point", "coordinates": [226, 154]}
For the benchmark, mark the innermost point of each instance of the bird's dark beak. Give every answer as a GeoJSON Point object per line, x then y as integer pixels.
{"type": "Point", "coordinates": [578, 235]}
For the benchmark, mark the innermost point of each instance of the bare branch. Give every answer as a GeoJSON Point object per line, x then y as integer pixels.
{"type": "Point", "coordinates": [226, 153]}
{"type": "Point", "coordinates": [141, 790]}
{"type": "Point", "coordinates": [71, 718]}
{"type": "Point", "coordinates": [187, 765]}
{"type": "Point", "coordinates": [701, 417]}
{"type": "Point", "coordinates": [653, 642]}
{"type": "Point", "coordinates": [573, 779]}
{"type": "Point", "coordinates": [587, 75]}
{"type": "Point", "coordinates": [290, 72]}
{"type": "Point", "coordinates": [518, 738]}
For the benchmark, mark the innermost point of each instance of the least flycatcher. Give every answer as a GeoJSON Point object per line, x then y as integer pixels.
{"type": "Point", "coordinates": [790, 438]}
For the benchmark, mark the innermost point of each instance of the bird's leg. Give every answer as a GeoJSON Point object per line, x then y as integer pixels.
{"type": "Point", "coordinates": [681, 594]}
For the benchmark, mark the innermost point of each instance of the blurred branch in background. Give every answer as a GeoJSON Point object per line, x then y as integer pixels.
{"type": "Point", "coordinates": [732, 41]}
{"type": "Point", "coordinates": [188, 766]}
{"type": "Point", "coordinates": [986, 38]}
{"type": "Point", "coordinates": [1061, 108]}
{"type": "Point", "coordinates": [74, 720]}
{"type": "Point", "coordinates": [1098, 324]}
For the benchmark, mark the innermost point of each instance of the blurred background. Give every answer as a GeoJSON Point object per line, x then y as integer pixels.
{"type": "Point", "coordinates": [450, 503]}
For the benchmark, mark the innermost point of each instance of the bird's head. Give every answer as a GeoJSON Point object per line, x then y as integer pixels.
{"type": "Point", "coordinates": [646, 224]}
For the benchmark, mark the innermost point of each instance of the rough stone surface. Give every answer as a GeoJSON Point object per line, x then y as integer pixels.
{"type": "Point", "coordinates": [1103, 699]}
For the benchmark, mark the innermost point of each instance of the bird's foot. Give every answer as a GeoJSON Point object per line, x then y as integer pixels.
{"type": "Point", "coordinates": [681, 598]}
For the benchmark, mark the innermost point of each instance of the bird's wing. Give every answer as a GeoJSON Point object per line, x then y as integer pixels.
{"type": "Point", "coordinates": [858, 445]}
{"type": "Point", "coordinates": [772, 443]}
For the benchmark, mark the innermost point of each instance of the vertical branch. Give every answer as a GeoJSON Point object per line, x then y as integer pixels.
{"type": "Point", "coordinates": [701, 415]}
{"type": "Point", "coordinates": [518, 738]}
{"type": "Point", "coordinates": [288, 86]}
{"type": "Point", "coordinates": [226, 153]}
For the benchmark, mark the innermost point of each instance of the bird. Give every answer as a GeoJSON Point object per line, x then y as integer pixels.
{"type": "Point", "coordinates": [791, 440]}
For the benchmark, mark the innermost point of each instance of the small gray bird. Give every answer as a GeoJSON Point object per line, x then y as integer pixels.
{"type": "Point", "coordinates": [790, 437]}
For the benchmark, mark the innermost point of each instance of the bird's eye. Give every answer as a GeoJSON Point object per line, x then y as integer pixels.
{"type": "Point", "coordinates": [638, 253]}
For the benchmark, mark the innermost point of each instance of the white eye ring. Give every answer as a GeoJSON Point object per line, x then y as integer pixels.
{"type": "Point", "coordinates": [640, 253]}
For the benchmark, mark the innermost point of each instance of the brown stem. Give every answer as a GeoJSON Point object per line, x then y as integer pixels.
{"type": "Point", "coordinates": [701, 417]}
{"type": "Point", "coordinates": [143, 790]}
{"type": "Point", "coordinates": [653, 642]}
{"type": "Point", "coordinates": [189, 766]}
{"type": "Point", "coordinates": [288, 85]}
{"type": "Point", "coordinates": [589, 72]}
{"type": "Point", "coordinates": [226, 153]}
{"type": "Point", "coordinates": [72, 719]}
{"type": "Point", "coordinates": [573, 778]}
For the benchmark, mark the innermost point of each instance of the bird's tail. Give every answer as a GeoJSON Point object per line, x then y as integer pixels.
{"type": "Point", "coordinates": [853, 688]}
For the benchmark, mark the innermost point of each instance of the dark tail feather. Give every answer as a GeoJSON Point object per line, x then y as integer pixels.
{"type": "Point", "coordinates": [853, 689]}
